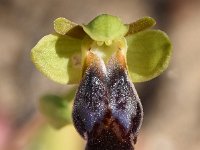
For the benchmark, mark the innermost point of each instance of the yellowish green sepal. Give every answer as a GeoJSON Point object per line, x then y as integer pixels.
{"type": "Point", "coordinates": [59, 58]}
{"type": "Point", "coordinates": [148, 54]}
{"type": "Point", "coordinates": [105, 28]}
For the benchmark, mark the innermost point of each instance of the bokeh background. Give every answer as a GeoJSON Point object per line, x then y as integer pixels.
{"type": "Point", "coordinates": [171, 101]}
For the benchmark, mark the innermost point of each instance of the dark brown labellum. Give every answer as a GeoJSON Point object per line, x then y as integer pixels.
{"type": "Point", "coordinates": [107, 110]}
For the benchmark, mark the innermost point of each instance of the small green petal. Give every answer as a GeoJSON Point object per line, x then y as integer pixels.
{"type": "Point", "coordinates": [105, 27]}
{"type": "Point", "coordinates": [64, 26]}
{"type": "Point", "coordinates": [141, 24]}
{"type": "Point", "coordinates": [56, 109]}
{"type": "Point", "coordinates": [59, 58]}
{"type": "Point", "coordinates": [148, 54]}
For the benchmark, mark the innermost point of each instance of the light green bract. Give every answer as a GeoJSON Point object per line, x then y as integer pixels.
{"type": "Point", "coordinates": [56, 109]}
{"type": "Point", "coordinates": [60, 56]}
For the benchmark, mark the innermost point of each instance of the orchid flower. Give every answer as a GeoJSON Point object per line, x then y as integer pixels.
{"type": "Point", "coordinates": [104, 57]}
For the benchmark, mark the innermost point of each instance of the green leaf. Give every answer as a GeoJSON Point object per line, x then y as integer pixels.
{"type": "Point", "coordinates": [64, 26]}
{"type": "Point", "coordinates": [105, 28]}
{"type": "Point", "coordinates": [148, 54]}
{"type": "Point", "coordinates": [141, 24]}
{"type": "Point", "coordinates": [56, 109]}
{"type": "Point", "coordinates": [59, 58]}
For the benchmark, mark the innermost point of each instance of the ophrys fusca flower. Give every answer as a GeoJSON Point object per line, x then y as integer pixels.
{"type": "Point", "coordinates": [104, 57]}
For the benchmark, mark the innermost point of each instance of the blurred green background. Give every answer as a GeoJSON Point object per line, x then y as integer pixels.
{"type": "Point", "coordinates": [171, 101]}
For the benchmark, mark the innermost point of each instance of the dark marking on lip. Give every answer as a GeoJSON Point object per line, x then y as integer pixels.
{"type": "Point", "coordinates": [107, 110]}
